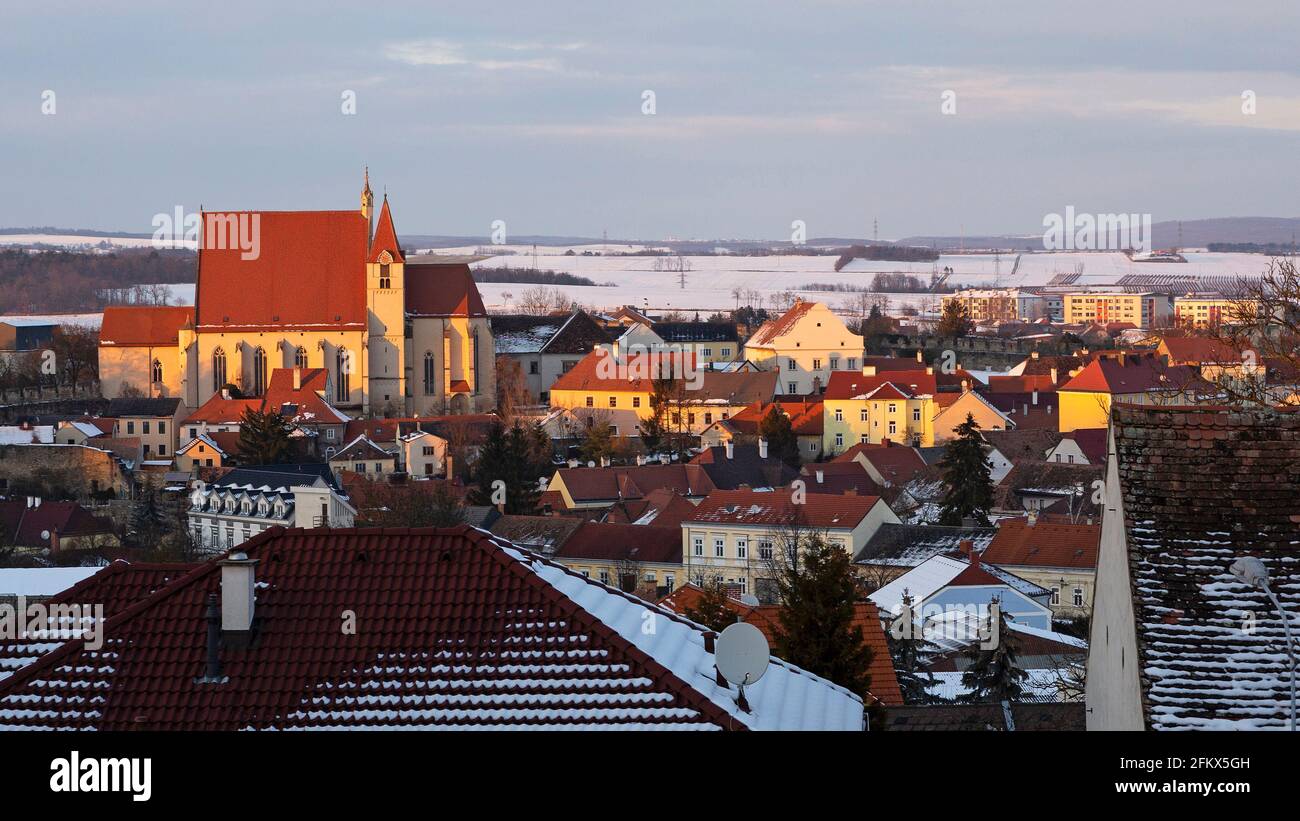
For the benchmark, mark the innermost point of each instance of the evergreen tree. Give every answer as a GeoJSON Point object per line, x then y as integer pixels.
{"type": "Point", "coordinates": [510, 457]}
{"type": "Point", "coordinates": [967, 475]}
{"type": "Point", "coordinates": [598, 443]}
{"type": "Point", "coordinates": [263, 437]}
{"type": "Point", "coordinates": [955, 322]}
{"type": "Point", "coordinates": [782, 442]}
{"type": "Point", "coordinates": [994, 675]}
{"type": "Point", "coordinates": [146, 519]}
{"type": "Point", "coordinates": [713, 611]}
{"type": "Point", "coordinates": [815, 627]}
{"type": "Point", "coordinates": [909, 649]}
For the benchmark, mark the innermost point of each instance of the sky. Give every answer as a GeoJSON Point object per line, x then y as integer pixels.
{"type": "Point", "coordinates": [930, 117]}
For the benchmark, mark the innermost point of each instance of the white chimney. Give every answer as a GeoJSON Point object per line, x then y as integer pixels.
{"type": "Point", "coordinates": [237, 592]}
{"type": "Point", "coordinates": [762, 448]}
{"type": "Point", "coordinates": [821, 476]}
{"type": "Point", "coordinates": [919, 358]}
{"type": "Point", "coordinates": [1032, 517]}
{"type": "Point", "coordinates": [225, 393]}
{"type": "Point", "coordinates": [36, 501]}
{"type": "Point", "coordinates": [1053, 376]}
{"type": "Point", "coordinates": [640, 460]}
{"type": "Point", "coordinates": [1034, 396]}
{"type": "Point", "coordinates": [297, 379]}
{"type": "Point", "coordinates": [731, 449]}
{"type": "Point", "coordinates": [604, 461]}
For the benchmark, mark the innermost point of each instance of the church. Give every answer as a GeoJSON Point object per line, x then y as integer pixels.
{"type": "Point", "coordinates": [398, 335]}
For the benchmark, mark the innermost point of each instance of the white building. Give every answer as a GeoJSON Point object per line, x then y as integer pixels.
{"type": "Point", "coordinates": [248, 500]}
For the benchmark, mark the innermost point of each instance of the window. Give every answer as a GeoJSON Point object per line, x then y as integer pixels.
{"type": "Point", "coordinates": [724, 351]}
{"type": "Point", "coordinates": [1056, 594]}
{"type": "Point", "coordinates": [764, 549]}
{"type": "Point", "coordinates": [719, 546]}
{"type": "Point", "coordinates": [864, 439]}
{"type": "Point", "coordinates": [218, 369]}
{"type": "Point", "coordinates": [839, 440]}
{"type": "Point", "coordinates": [384, 280]}
{"type": "Point", "coordinates": [259, 371]}
{"type": "Point", "coordinates": [835, 363]}
{"type": "Point", "coordinates": [916, 414]}
{"type": "Point", "coordinates": [130, 427]}
{"type": "Point", "coordinates": [567, 365]}
{"type": "Point", "coordinates": [162, 428]}
{"type": "Point", "coordinates": [690, 419]}
{"type": "Point", "coordinates": [613, 401]}
{"type": "Point", "coordinates": [533, 367]}
{"type": "Point", "coordinates": [430, 374]}
{"type": "Point", "coordinates": [343, 362]}
{"type": "Point", "coordinates": [708, 418]}
{"type": "Point", "coordinates": [817, 365]}
{"type": "Point", "coordinates": [698, 545]}
{"type": "Point", "coordinates": [789, 365]}
{"type": "Point", "coordinates": [668, 581]}
{"type": "Point", "coordinates": [706, 351]}
{"type": "Point", "coordinates": [742, 547]}
{"type": "Point", "coordinates": [862, 415]}
{"type": "Point", "coordinates": [144, 428]}
{"type": "Point", "coordinates": [604, 577]}
{"type": "Point", "coordinates": [300, 357]}
{"type": "Point", "coordinates": [162, 450]}
{"type": "Point", "coordinates": [852, 363]}
{"type": "Point", "coordinates": [793, 386]}
{"type": "Point", "coordinates": [591, 401]}
{"type": "Point", "coordinates": [893, 427]}
{"type": "Point", "coordinates": [839, 414]}
{"type": "Point", "coordinates": [893, 408]}
{"type": "Point", "coordinates": [1078, 596]}
{"type": "Point", "coordinates": [636, 401]}
{"type": "Point", "coordinates": [156, 374]}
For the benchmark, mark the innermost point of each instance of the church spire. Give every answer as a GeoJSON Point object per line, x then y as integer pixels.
{"type": "Point", "coordinates": [368, 207]}
{"type": "Point", "coordinates": [385, 237]}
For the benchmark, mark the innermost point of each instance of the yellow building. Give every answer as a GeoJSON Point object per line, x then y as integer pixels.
{"type": "Point", "coordinates": [953, 408]}
{"type": "Point", "coordinates": [1203, 311]}
{"type": "Point", "coordinates": [999, 305]}
{"type": "Point", "coordinates": [1143, 379]}
{"type": "Point", "coordinates": [805, 346]}
{"type": "Point", "coordinates": [602, 380]}
{"type": "Point", "coordinates": [138, 350]}
{"type": "Point", "coordinates": [870, 407]}
{"type": "Point", "coordinates": [1143, 310]}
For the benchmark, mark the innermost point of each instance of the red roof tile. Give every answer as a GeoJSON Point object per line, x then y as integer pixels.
{"type": "Point", "coordinates": [620, 542]}
{"type": "Point", "coordinates": [903, 384]}
{"type": "Point", "coordinates": [612, 483]}
{"type": "Point", "coordinates": [777, 508]}
{"type": "Point", "coordinates": [783, 324]}
{"type": "Point", "coordinates": [441, 289]}
{"type": "Point", "coordinates": [303, 406]}
{"type": "Point", "coordinates": [1136, 374]}
{"type": "Point", "coordinates": [309, 274]}
{"type": "Point", "coordinates": [144, 326]}
{"type": "Point", "coordinates": [35, 526]}
{"type": "Point", "coordinates": [455, 630]}
{"type": "Point", "coordinates": [1048, 543]}
{"type": "Point", "coordinates": [601, 370]}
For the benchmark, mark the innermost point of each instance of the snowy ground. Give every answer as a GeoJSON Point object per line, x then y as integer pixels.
{"type": "Point", "coordinates": [79, 320]}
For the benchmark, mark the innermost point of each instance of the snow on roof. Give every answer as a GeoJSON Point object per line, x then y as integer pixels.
{"type": "Point", "coordinates": [920, 582]}
{"type": "Point", "coordinates": [32, 435]}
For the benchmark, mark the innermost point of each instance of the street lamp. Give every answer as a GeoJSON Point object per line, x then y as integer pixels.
{"type": "Point", "coordinates": [1250, 570]}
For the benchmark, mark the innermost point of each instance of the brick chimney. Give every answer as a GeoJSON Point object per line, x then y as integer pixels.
{"type": "Point", "coordinates": [968, 550]}
{"type": "Point", "coordinates": [297, 379]}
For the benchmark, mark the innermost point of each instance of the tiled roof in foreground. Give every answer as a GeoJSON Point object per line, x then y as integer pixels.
{"type": "Point", "coordinates": [1202, 487]}
{"type": "Point", "coordinates": [454, 629]}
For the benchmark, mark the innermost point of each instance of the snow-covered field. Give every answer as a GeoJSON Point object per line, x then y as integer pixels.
{"type": "Point", "coordinates": [79, 320]}
{"type": "Point", "coordinates": [712, 281]}
{"type": "Point", "coordinates": [73, 242]}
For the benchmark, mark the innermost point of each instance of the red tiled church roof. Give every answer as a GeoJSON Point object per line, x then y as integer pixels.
{"type": "Point", "coordinates": [309, 274]}
{"type": "Point", "coordinates": [385, 238]}
{"type": "Point", "coordinates": [144, 326]}
{"type": "Point", "coordinates": [441, 289]}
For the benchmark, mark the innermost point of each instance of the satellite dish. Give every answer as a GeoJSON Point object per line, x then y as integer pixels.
{"type": "Point", "coordinates": [741, 654]}
{"type": "Point", "coordinates": [749, 600]}
{"type": "Point", "coordinates": [45, 534]}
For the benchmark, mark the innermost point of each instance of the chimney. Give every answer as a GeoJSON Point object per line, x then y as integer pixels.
{"type": "Point", "coordinates": [225, 393]}
{"type": "Point", "coordinates": [213, 673]}
{"type": "Point", "coordinates": [762, 448]}
{"type": "Point", "coordinates": [1053, 376]}
{"type": "Point", "coordinates": [640, 458]}
{"type": "Point", "coordinates": [1032, 518]}
{"type": "Point", "coordinates": [1034, 396]}
{"type": "Point", "coordinates": [968, 550]}
{"type": "Point", "coordinates": [297, 379]}
{"type": "Point", "coordinates": [604, 461]}
{"type": "Point", "coordinates": [1033, 354]}
{"type": "Point", "coordinates": [447, 466]}
{"type": "Point", "coordinates": [237, 593]}
{"type": "Point", "coordinates": [731, 449]}
{"type": "Point", "coordinates": [919, 357]}
{"type": "Point", "coordinates": [821, 476]}
{"type": "Point", "coordinates": [36, 501]}
{"type": "Point", "coordinates": [929, 370]}
{"type": "Point", "coordinates": [868, 370]}
{"type": "Point", "coordinates": [1027, 408]}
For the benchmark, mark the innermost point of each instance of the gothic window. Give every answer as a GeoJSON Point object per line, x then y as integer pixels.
{"type": "Point", "coordinates": [218, 369]}
{"type": "Point", "coordinates": [430, 374]}
{"type": "Point", "coordinates": [384, 280]}
{"type": "Point", "coordinates": [300, 357]}
{"type": "Point", "coordinates": [344, 363]}
{"type": "Point", "coordinates": [259, 372]}
{"type": "Point", "coordinates": [156, 374]}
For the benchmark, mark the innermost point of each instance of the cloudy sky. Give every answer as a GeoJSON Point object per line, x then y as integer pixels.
{"type": "Point", "coordinates": [764, 113]}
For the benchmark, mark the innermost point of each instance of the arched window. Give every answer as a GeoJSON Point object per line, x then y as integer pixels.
{"type": "Point", "coordinates": [300, 357]}
{"type": "Point", "coordinates": [344, 364]}
{"type": "Point", "coordinates": [218, 369]}
{"type": "Point", "coordinates": [156, 374]}
{"type": "Point", "coordinates": [384, 280]}
{"type": "Point", "coordinates": [429, 381]}
{"type": "Point", "coordinates": [259, 372]}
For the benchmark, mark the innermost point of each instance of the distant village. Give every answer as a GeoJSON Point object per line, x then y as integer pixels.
{"type": "Point", "coordinates": [1057, 508]}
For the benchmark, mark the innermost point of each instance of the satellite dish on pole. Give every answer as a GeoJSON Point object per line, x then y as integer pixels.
{"type": "Point", "coordinates": [741, 654]}
{"type": "Point", "coordinates": [749, 600]}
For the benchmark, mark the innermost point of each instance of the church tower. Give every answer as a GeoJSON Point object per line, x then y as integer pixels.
{"type": "Point", "coordinates": [386, 306]}
{"type": "Point", "coordinates": [368, 208]}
